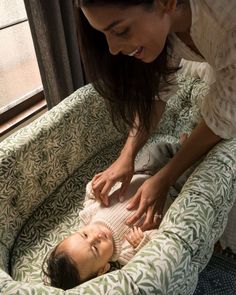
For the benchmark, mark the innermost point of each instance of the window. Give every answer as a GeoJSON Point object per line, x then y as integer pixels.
{"type": "Point", "coordinates": [21, 92]}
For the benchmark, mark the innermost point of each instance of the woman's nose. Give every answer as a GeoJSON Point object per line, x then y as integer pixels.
{"type": "Point", "coordinates": [114, 45]}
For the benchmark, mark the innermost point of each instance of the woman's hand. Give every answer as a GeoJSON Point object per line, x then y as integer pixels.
{"type": "Point", "coordinates": [135, 236]}
{"type": "Point", "coordinates": [121, 170]}
{"type": "Point", "coordinates": [150, 199]}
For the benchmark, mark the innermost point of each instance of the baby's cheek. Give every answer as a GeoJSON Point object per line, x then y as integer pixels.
{"type": "Point", "coordinates": [110, 248]}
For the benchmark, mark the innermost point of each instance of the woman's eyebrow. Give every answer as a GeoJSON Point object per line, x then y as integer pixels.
{"type": "Point", "coordinates": [113, 24]}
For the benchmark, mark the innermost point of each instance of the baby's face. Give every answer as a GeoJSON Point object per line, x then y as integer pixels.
{"type": "Point", "coordinates": [90, 248]}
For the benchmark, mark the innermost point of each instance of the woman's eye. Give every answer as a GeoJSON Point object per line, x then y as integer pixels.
{"type": "Point", "coordinates": [85, 235]}
{"type": "Point", "coordinates": [122, 33]}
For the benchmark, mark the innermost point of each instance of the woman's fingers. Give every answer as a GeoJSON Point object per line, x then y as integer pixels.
{"type": "Point", "coordinates": [120, 170]}
{"type": "Point", "coordinates": [96, 177]}
{"type": "Point", "coordinates": [102, 184]}
{"type": "Point", "coordinates": [157, 220]}
{"type": "Point", "coordinates": [105, 192]}
{"type": "Point", "coordinates": [149, 221]}
{"type": "Point", "coordinates": [97, 181]}
{"type": "Point", "coordinates": [97, 188]}
{"type": "Point", "coordinates": [139, 212]}
{"type": "Point", "coordinates": [134, 201]}
{"type": "Point", "coordinates": [154, 216]}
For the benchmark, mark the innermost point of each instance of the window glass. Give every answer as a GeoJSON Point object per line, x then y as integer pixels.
{"type": "Point", "coordinates": [19, 73]}
{"type": "Point", "coordinates": [11, 11]}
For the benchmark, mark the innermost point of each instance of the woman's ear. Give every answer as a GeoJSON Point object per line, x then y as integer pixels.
{"type": "Point", "coordinates": [104, 269]}
{"type": "Point", "coordinates": [168, 5]}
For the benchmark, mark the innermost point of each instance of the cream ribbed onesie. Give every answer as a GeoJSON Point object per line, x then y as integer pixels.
{"type": "Point", "coordinates": [114, 218]}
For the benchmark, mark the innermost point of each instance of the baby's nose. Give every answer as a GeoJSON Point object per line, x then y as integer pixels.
{"type": "Point", "coordinates": [97, 237]}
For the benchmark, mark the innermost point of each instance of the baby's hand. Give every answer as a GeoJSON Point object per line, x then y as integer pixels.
{"type": "Point", "coordinates": [135, 236]}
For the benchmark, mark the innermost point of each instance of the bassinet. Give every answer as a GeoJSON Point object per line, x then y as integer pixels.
{"type": "Point", "coordinates": [45, 166]}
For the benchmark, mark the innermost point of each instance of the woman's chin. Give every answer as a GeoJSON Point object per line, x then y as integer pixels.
{"type": "Point", "coordinates": [149, 59]}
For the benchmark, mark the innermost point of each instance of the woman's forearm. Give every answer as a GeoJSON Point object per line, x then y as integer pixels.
{"type": "Point", "coordinates": [136, 138]}
{"type": "Point", "coordinates": [201, 140]}
{"type": "Point", "coordinates": [134, 143]}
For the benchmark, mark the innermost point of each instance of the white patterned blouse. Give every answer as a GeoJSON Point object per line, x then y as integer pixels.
{"type": "Point", "coordinates": [213, 31]}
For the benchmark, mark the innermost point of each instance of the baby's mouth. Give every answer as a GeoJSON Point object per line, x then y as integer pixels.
{"type": "Point", "coordinates": [102, 235]}
{"type": "Point", "coordinates": [105, 233]}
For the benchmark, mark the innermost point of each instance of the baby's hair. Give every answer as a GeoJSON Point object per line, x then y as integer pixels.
{"type": "Point", "coordinates": [60, 271]}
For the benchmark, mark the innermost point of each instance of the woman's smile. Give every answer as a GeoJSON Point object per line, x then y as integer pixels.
{"type": "Point", "coordinates": [134, 31]}
{"type": "Point", "coordinates": [137, 53]}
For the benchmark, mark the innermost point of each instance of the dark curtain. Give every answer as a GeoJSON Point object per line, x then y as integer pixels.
{"type": "Point", "coordinates": [54, 32]}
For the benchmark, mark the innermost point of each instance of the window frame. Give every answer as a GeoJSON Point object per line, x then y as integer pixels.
{"type": "Point", "coordinates": [27, 107]}
{"type": "Point", "coordinates": [21, 112]}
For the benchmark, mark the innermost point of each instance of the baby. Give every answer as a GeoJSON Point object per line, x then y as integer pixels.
{"type": "Point", "coordinates": [103, 235]}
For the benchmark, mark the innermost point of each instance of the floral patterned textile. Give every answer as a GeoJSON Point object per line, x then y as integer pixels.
{"type": "Point", "coordinates": [45, 166]}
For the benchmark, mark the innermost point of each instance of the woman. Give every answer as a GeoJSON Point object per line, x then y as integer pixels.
{"type": "Point", "coordinates": [131, 51]}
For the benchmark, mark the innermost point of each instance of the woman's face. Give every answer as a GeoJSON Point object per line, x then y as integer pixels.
{"type": "Point", "coordinates": [134, 30]}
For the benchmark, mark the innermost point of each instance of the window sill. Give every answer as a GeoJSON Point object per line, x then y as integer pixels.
{"type": "Point", "coordinates": [13, 118]}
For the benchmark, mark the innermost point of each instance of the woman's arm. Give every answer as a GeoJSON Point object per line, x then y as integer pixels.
{"type": "Point", "coordinates": [137, 139]}
{"type": "Point", "coordinates": [201, 140]}
{"type": "Point", "coordinates": [123, 168]}
{"type": "Point", "coordinates": [151, 195]}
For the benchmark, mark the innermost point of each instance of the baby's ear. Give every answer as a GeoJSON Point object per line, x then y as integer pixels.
{"type": "Point", "coordinates": [104, 269]}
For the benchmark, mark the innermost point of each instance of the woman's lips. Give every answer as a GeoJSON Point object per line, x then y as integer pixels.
{"type": "Point", "coordinates": [137, 53]}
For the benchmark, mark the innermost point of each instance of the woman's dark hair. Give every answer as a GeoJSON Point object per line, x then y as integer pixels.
{"type": "Point", "coordinates": [60, 271]}
{"type": "Point", "coordinates": [128, 84]}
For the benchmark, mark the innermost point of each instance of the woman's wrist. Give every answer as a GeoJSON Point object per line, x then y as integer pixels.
{"type": "Point", "coordinates": [128, 153]}
{"type": "Point", "coordinates": [133, 144]}
{"type": "Point", "coordinates": [166, 175]}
